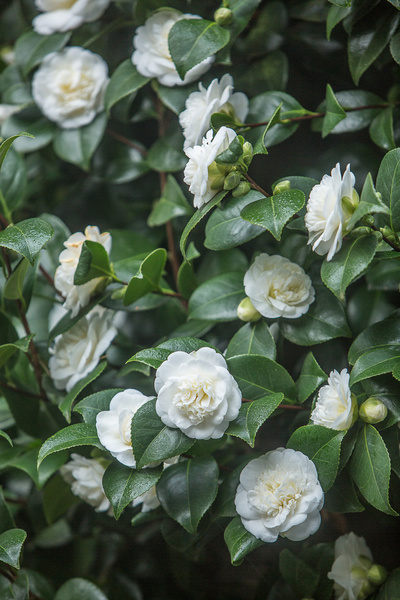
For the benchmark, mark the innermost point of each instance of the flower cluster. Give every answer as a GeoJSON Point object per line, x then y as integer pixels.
{"type": "Point", "coordinates": [64, 15]}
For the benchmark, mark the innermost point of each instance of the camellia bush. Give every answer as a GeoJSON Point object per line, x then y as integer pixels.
{"type": "Point", "coordinates": [199, 323]}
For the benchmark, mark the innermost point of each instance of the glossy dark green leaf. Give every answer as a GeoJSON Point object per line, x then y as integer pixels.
{"type": "Point", "coordinates": [66, 404]}
{"type": "Point", "coordinates": [187, 490]}
{"type": "Point", "coordinates": [154, 357]}
{"type": "Point", "coordinates": [239, 541]}
{"type": "Point", "coordinates": [172, 204]}
{"type": "Point", "coordinates": [27, 237]}
{"type": "Point", "coordinates": [124, 81]}
{"type": "Point", "coordinates": [93, 262]}
{"type": "Point", "coordinates": [31, 48]}
{"type": "Point", "coordinates": [261, 110]}
{"type": "Point", "coordinates": [6, 518]}
{"type": "Point", "coordinates": [370, 469]}
{"type": "Point", "coordinates": [274, 212]}
{"type": "Point", "coordinates": [381, 129]}
{"type": "Point", "coordinates": [79, 589]}
{"type": "Point", "coordinates": [218, 298]}
{"type": "Point", "coordinates": [166, 154]}
{"type": "Point", "coordinates": [232, 154]}
{"type": "Point", "coordinates": [395, 47]}
{"type": "Point", "coordinates": [27, 462]}
{"type": "Point", "coordinates": [388, 184]}
{"type": "Point", "coordinates": [336, 14]}
{"type": "Point", "coordinates": [301, 578]}
{"type": "Point", "coordinates": [259, 376]}
{"type": "Point", "coordinates": [252, 338]}
{"type": "Point", "coordinates": [252, 415]}
{"type": "Point", "coordinates": [334, 113]}
{"type": "Point", "coordinates": [322, 446]}
{"type": "Point", "coordinates": [77, 146]}
{"type": "Point", "coordinates": [80, 434]}
{"type": "Point", "coordinates": [13, 181]}
{"type": "Point", "coordinates": [6, 145]}
{"type": "Point", "coordinates": [7, 350]}
{"type": "Point", "coordinates": [152, 441]}
{"type": "Point", "coordinates": [123, 484]}
{"type": "Point", "coordinates": [370, 203]}
{"type": "Point", "coordinates": [148, 276]}
{"type": "Point", "coordinates": [11, 545]}
{"type": "Point", "coordinates": [90, 406]}
{"type": "Point", "coordinates": [376, 362]}
{"type": "Point", "coordinates": [378, 336]}
{"type": "Point", "coordinates": [357, 117]}
{"type": "Point", "coordinates": [342, 496]}
{"type": "Point", "coordinates": [311, 377]}
{"type": "Point", "coordinates": [191, 41]}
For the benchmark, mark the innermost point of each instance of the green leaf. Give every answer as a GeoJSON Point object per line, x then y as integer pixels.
{"type": "Point", "coordinates": [388, 184]}
{"type": "Point", "coordinates": [154, 357]}
{"type": "Point", "coordinates": [90, 406]}
{"type": "Point", "coordinates": [11, 545]}
{"type": "Point", "coordinates": [355, 119]}
{"type": "Point", "coordinates": [275, 119]}
{"type": "Point", "coordinates": [123, 484]}
{"type": "Point", "coordinates": [367, 41]}
{"type": "Point", "coordinates": [187, 490]}
{"type": "Point", "coordinates": [274, 212]}
{"type": "Point", "coordinates": [124, 81]}
{"type": "Point", "coordinates": [172, 204]}
{"type": "Point", "coordinates": [27, 237]}
{"type": "Point", "coordinates": [370, 203]}
{"type": "Point", "coordinates": [395, 47]}
{"type": "Point", "coordinates": [226, 229]}
{"type": "Point", "coordinates": [342, 496]}
{"type": "Point", "coordinates": [80, 434]}
{"type": "Point", "coordinates": [218, 298]}
{"type": "Point", "coordinates": [14, 287]}
{"type": "Point", "coordinates": [381, 129]}
{"type": "Point", "coordinates": [166, 154]}
{"type": "Point", "coordinates": [334, 113]}
{"type": "Point", "coordinates": [252, 339]}
{"type": "Point", "coordinates": [6, 145]}
{"type": "Point", "coordinates": [390, 589]}
{"type": "Point", "coordinates": [377, 336]}
{"type": "Point", "coordinates": [336, 14]}
{"type": "Point", "coordinates": [31, 48]}
{"type": "Point", "coordinates": [41, 130]}
{"type": "Point", "coordinates": [259, 376]}
{"type": "Point", "coordinates": [152, 441]}
{"type": "Point", "coordinates": [7, 350]}
{"type": "Point", "coordinates": [262, 109]}
{"type": "Point", "coordinates": [191, 41]}
{"type": "Point", "coordinates": [370, 469]}
{"type": "Point", "coordinates": [79, 589]}
{"type": "Point", "coordinates": [324, 321]}
{"type": "Point", "coordinates": [93, 262]}
{"type": "Point", "coordinates": [252, 415]}
{"type": "Point", "coordinates": [322, 446]}
{"type": "Point", "coordinates": [197, 217]}
{"type": "Point", "coordinates": [310, 379]}
{"type": "Point", "coordinates": [66, 405]}
{"type": "Point", "coordinates": [77, 146]}
{"type": "Point", "coordinates": [301, 578]}
{"type": "Point", "coordinates": [348, 264]}
{"type": "Point", "coordinates": [57, 499]}
{"type": "Point", "coordinates": [13, 181]}
{"type": "Point", "coordinates": [376, 362]}
{"type": "Point", "coordinates": [148, 276]}
{"type": "Point", "coordinates": [239, 541]}
{"type": "Point", "coordinates": [27, 462]}
{"type": "Point", "coordinates": [232, 154]}
{"type": "Point", "coordinates": [6, 518]}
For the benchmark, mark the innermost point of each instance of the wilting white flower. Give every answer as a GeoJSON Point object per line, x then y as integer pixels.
{"type": "Point", "coordinates": [196, 174]}
{"type": "Point", "coordinates": [114, 425]}
{"type": "Point", "coordinates": [350, 568]}
{"type": "Point", "coordinates": [64, 15]}
{"type": "Point", "coordinates": [152, 57]}
{"type": "Point", "coordinates": [85, 477]}
{"type": "Point", "coordinates": [77, 351]}
{"type": "Point", "coordinates": [278, 288]}
{"type": "Point", "coordinates": [329, 208]}
{"type": "Point", "coordinates": [7, 110]}
{"type": "Point", "coordinates": [77, 296]}
{"type": "Point", "coordinates": [69, 86]}
{"type": "Point", "coordinates": [279, 494]}
{"type": "Point", "coordinates": [149, 500]}
{"type": "Point", "coordinates": [218, 97]}
{"type": "Point", "coordinates": [336, 407]}
{"type": "Point", "coordinates": [197, 394]}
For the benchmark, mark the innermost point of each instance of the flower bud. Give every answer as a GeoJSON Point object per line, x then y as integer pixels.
{"type": "Point", "coordinates": [247, 155]}
{"type": "Point", "coordinates": [119, 293]}
{"type": "Point", "coordinates": [389, 234]}
{"type": "Point", "coordinates": [349, 205]}
{"type": "Point", "coordinates": [217, 174]}
{"type": "Point", "coordinates": [373, 411]}
{"type": "Point", "coordinates": [223, 16]}
{"type": "Point", "coordinates": [232, 180]}
{"type": "Point", "coordinates": [242, 189]}
{"type": "Point", "coordinates": [368, 220]}
{"type": "Point", "coordinates": [361, 231]}
{"type": "Point", "coordinates": [246, 312]}
{"type": "Point", "coordinates": [377, 575]}
{"type": "Point", "coordinates": [366, 590]}
{"type": "Point", "coordinates": [282, 186]}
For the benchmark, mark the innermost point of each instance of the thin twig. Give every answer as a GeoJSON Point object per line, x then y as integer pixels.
{"type": "Point", "coordinates": [127, 142]}
{"type": "Point", "coordinates": [255, 185]}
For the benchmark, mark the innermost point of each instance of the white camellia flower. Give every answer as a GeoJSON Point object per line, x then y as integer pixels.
{"type": "Point", "coordinates": [77, 351]}
{"type": "Point", "coordinates": [218, 97]}
{"type": "Point", "coordinates": [329, 208]}
{"type": "Point", "coordinates": [69, 86]}
{"type": "Point", "coordinates": [336, 406]}
{"type": "Point", "coordinates": [114, 425]}
{"type": "Point", "coordinates": [196, 173]}
{"type": "Point", "coordinates": [197, 394]}
{"type": "Point", "coordinates": [152, 57]}
{"type": "Point", "coordinates": [64, 15]}
{"type": "Point", "coordinates": [77, 296]}
{"type": "Point", "coordinates": [278, 287]}
{"type": "Point", "coordinates": [279, 494]}
{"type": "Point", "coordinates": [350, 568]}
{"type": "Point", "coordinates": [85, 477]}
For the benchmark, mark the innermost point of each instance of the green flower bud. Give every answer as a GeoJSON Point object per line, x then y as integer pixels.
{"type": "Point", "coordinates": [232, 180]}
{"type": "Point", "coordinates": [361, 231]}
{"type": "Point", "coordinates": [242, 189]}
{"type": "Point", "coordinates": [389, 234]}
{"type": "Point", "coordinates": [223, 16]}
{"type": "Point", "coordinates": [282, 186]}
{"type": "Point", "coordinates": [247, 155]}
{"type": "Point", "coordinates": [246, 311]}
{"type": "Point", "coordinates": [373, 411]}
{"type": "Point", "coordinates": [377, 575]}
{"type": "Point", "coordinates": [366, 590]}
{"type": "Point", "coordinates": [119, 293]}
{"type": "Point", "coordinates": [358, 572]}
{"type": "Point", "coordinates": [365, 562]}
{"type": "Point", "coordinates": [368, 220]}
{"type": "Point", "coordinates": [349, 205]}
{"type": "Point", "coordinates": [217, 174]}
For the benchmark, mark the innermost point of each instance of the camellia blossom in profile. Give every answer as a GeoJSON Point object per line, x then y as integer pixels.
{"type": "Point", "coordinates": [336, 407]}
{"type": "Point", "coordinates": [77, 351]}
{"type": "Point", "coordinates": [77, 296]}
{"type": "Point", "coordinates": [114, 425]}
{"type": "Point", "coordinates": [64, 15]}
{"type": "Point", "coordinates": [329, 208]}
{"type": "Point", "coordinates": [85, 477]}
{"type": "Point", "coordinates": [197, 174]}
{"type": "Point", "coordinates": [218, 97]}
{"type": "Point", "coordinates": [152, 57]}
{"type": "Point", "coordinates": [279, 494]}
{"type": "Point", "coordinates": [197, 394]}
{"type": "Point", "coordinates": [278, 287]}
{"type": "Point", "coordinates": [350, 568]}
{"type": "Point", "coordinates": [69, 86]}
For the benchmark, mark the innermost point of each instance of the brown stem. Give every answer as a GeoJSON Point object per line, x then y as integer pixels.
{"type": "Point", "coordinates": [385, 239]}
{"type": "Point", "coordinates": [255, 185]}
{"type": "Point", "coordinates": [127, 142]}
{"type": "Point", "coordinates": [19, 390]}
{"type": "Point", "coordinates": [49, 278]}
{"type": "Point", "coordinates": [32, 354]}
